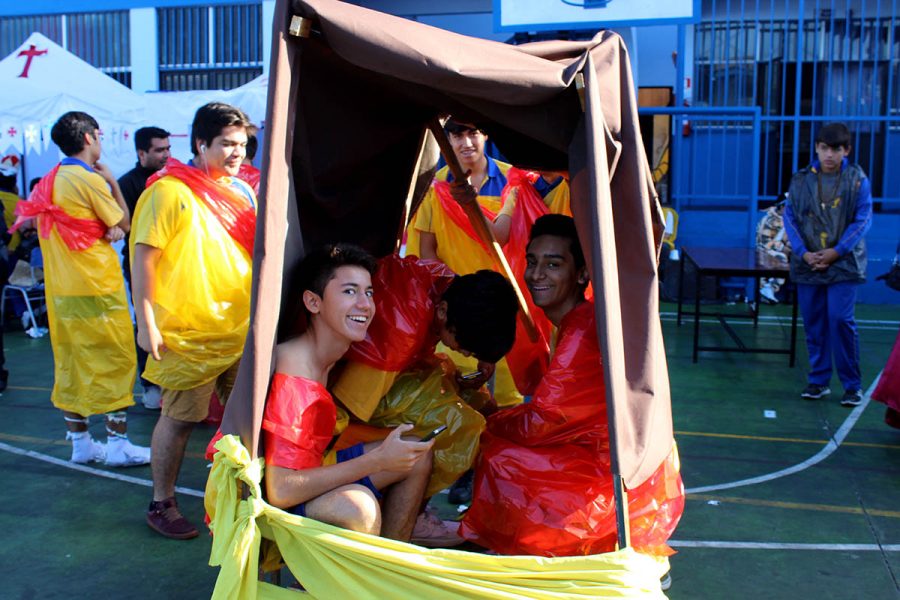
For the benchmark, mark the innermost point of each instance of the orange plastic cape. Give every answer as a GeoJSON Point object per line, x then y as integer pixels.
{"type": "Point", "coordinates": [543, 484]}
{"type": "Point", "coordinates": [76, 234]}
{"type": "Point", "coordinates": [406, 293]}
{"type": "Point", "coordinates": [234, 212]}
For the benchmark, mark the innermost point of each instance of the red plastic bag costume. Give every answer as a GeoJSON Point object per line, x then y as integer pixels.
{"type": "Point", "coordinates": [406, 293]}
{"type": "Point", "coordinates": [543, 484]}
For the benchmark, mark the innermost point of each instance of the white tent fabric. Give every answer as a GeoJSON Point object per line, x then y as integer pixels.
{"type": "Point", "coordinates": [41, 81]}
{"type": "Point", "coordinates": [174, 111]}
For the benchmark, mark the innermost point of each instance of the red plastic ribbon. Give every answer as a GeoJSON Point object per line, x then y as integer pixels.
{"type": "Point", "coordinates": [233, 211]}
{"type": "Point", "coordinates": [77, 234]}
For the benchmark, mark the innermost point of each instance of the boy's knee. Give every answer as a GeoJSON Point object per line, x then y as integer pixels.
{"type": "Point", "coordinates": [358, 509]}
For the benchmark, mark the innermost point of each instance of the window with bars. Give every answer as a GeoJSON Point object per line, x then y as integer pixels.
{"type": "Point", "coordinates": [210, 47]}
{"type": "Point", "coordinates": [828, 65]}
{"type": "Point", "coordinates": [100, 39]}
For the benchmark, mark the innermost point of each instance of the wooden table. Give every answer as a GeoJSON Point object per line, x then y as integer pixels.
{"type": "Point", "coordinates": [734, 262]}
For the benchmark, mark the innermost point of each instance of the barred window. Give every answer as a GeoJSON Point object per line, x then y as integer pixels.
{"type": "Point", "coordinates": [214, 47]}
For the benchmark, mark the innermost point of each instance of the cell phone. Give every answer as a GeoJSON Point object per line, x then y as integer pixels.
{"type": "Point", "coordinates": [471, 375]}
{"type": "Point", "coordinates": [433, 434]}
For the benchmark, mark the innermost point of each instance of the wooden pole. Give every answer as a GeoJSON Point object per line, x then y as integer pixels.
{"type": "Point", "coordinates": [482, 227]}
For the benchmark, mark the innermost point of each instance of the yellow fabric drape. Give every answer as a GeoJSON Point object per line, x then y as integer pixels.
{"type": "Point", "coordinates": [332, 562]}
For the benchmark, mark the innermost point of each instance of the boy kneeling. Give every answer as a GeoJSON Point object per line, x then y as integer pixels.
{"type": "Point", "coordinates": [336, 283]}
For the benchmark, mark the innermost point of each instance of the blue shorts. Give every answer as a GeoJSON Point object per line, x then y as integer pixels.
{"type": "Point", "coordinates": [343, 456]}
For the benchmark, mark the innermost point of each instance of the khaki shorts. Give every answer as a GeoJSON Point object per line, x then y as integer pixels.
{"type": "Point", "coordinates": [192, 405]}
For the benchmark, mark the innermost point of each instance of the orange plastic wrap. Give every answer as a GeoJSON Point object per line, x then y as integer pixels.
{"type": "Point", "coordinates": [406, 292]}
{"type": "Point", "coordinates": [543, 484]}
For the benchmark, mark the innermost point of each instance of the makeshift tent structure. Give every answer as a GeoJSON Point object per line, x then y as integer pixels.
{"type": "Point", "coordinates": [41, 81]}
{"type": "Point", "coordinates": [348, 108]}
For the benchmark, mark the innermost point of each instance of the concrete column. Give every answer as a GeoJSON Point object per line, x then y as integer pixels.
{"type": "Point", "coordinates": [144, 49]}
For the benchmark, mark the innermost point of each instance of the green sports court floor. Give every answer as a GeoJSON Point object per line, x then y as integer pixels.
{"type": "Point", "coordinates": [802, 503]}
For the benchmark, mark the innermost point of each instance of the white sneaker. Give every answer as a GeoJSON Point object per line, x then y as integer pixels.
{"type": "Point", "coordinates": [86, 449]}
{"type": "Point", "coordinates": [120, 452]}
{"type": "Point", "coordinates": [152, 398]}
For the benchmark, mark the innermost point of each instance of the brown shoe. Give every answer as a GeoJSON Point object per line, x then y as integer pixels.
{"type": "Point", "coordinates": [165, 518]}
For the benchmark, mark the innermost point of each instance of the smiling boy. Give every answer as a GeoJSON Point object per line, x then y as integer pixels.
{"type": "Point", "coordinates": [191, 249]}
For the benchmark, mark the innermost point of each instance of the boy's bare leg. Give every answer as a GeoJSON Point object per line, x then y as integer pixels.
{"type": "Point", "coordinates": [170, 438]}
{"type": "Point", "coordinates": [350, 506]}
{"type": "Point", "coordinates": [403, 499]}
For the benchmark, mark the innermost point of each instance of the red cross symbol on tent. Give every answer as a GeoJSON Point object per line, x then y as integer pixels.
{"type": "Point", "coordinates": [30, 54]}
{"type": "Point", "coordinates": [12, 132]}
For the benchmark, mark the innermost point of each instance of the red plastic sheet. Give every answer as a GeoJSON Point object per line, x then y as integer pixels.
{"type": "Point", "coordinates": [406, 293]}
{"type": "Point", "coordinates": [233, 211]}
{"type": "Point", "coordinates": [298, 423]}
{"type": "Point", "coordinates": [543, 484]}
{"type": "Point", "coordinates": [76, 234]}
{"type": "Point", "coordinates": [251, 175]}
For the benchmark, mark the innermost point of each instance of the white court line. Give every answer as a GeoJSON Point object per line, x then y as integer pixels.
{"type": "Point", "coordinates": [90, 470]}
{"type": "Point", "coordinates": [785, 546]}
{"type": "Point", "coordinates": [821, 455]}
{"type": "Point", "coordinates": [781, 321]}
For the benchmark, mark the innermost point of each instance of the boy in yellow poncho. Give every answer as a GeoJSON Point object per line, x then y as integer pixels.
{"type": "Point", "coordinates": [79, 211]}
{"type": "Point", "coordinates": [191, 249]}
{"type": "Point", "coordinates": [434, 234]}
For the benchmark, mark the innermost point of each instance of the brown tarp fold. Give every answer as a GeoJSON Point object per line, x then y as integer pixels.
{"type": "Point", "coordinates": [347, 107]}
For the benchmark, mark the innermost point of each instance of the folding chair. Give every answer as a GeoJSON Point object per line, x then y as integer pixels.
{"type": "Point", "coordinates": [32, 291]}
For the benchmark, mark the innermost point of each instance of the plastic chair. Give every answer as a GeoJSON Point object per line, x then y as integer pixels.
{"type": "Point", "coordinates": [34, 291]}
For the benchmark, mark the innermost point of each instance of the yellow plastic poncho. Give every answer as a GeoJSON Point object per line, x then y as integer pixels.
{"type": "Point", "coordinates": [9, 201]}
{"type": "Point", "coordinates": [202, 304]}
{"type": "Point", "coordinates": [463, 255]}
{"type": "Point", "coordinates": [90, 327]}
{"type": "Point", "coordinates": [332, 562]}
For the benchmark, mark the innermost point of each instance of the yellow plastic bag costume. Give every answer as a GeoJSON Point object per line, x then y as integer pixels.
{"type": "Point", "coordinates": [90, 327]}
{"type": "Point", "coordinates": [428, 399]}
{"type": "Point", "coordinates": [9, 201]}
{"type": "Point", "coordinates": [463, 255]}
{"type": "Point", "coordinates": [202, 286]}
{"type": "Point", "coordinates": [332, 562]}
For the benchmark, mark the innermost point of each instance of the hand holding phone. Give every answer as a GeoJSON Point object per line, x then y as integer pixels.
{"type": "Point", "coordinates": [430, 436]}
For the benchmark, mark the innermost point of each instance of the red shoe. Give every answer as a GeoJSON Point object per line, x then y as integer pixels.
{"type": "Point", "coordinates": [164, 518]}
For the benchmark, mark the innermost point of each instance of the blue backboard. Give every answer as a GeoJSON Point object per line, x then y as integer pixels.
{"type": "Point", "coordinates": [545, 15]}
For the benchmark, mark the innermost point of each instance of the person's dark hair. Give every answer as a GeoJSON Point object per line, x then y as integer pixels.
{"type": "Point", "coordinates": [456, 127]}
{"type": "Point", "coordinates": [31, 184]}
{"type": "Point", "coordinates": [481, 313]}
{"type": "Point", "coordinates": [143, 137]}
{"type": "Point", "coordinates": [318, 267]}
{"type": "Point", "coordinates": [8, 182]}
{"type": "Point", "coordinates": [560, 226]}
{"type": "Point", "coordinates": [836, 135]}
{"type": "Point", "coordinates": [68, 132]}
{"type": "Point", "coordinates": [212, 118]}
{"type": "Point", "coordinates": [252, 146]}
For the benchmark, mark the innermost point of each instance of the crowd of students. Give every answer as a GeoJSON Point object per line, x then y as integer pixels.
{"type": "Point", "coordinates": [424, 342]}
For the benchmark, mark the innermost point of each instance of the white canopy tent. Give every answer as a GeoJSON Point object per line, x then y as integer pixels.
{"type": "Point", "coordinates": [41, 81]}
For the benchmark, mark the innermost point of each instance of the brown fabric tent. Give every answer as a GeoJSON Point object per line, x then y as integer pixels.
{"type": "Point", "coordinates": [345, 123]}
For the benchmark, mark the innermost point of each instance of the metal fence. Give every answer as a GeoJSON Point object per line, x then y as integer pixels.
{"type": "Point", "coordinates": [209, 47]}
{"type": "Point", "coordinates": [99, 38]}
{"type": "Point", "coordinates": [801, 63]}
